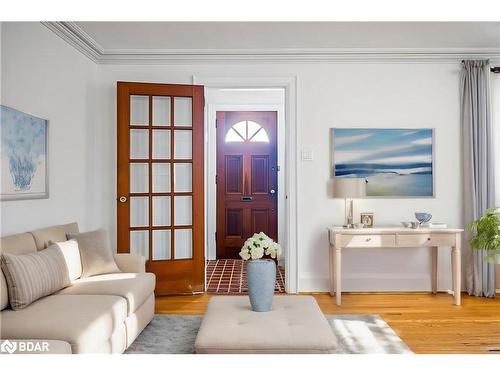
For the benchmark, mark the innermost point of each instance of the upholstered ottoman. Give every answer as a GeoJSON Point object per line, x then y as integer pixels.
{"type": "Point", "coordinates": [295, 325]}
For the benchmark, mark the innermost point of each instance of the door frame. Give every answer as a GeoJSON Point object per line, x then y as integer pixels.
{"type": "Point", "coordinates": [288, 176]}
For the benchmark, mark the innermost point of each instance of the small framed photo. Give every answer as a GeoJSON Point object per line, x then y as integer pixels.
{"type": "Point", "coordinates": [367, 219]}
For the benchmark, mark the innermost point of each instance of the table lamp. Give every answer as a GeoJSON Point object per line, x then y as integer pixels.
{"type": "Point", "coordinates": [349, 188]}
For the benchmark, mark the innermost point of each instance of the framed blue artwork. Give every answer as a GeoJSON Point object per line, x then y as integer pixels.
{"type": "Point", "coordinates": [395, 162]}
{"type": "Point", "coordinates": [24, 161]}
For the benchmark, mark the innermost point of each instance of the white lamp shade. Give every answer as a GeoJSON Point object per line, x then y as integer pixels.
{"type": "Point", "coordinates": [349, 188]}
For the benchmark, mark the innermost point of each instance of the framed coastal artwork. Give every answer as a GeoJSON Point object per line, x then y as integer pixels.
{"type": "Point", "coordinates": [395, 162]}
{"type": "Point", "coordinates": [24, 159]}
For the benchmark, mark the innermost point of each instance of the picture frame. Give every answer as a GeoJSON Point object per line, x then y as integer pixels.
{"type": "Point", "coordinates": [24, 155]}
{"type": "Point", "coordinates": [366, 218]}
{"type": "Point", "coordinates": [396, 162]}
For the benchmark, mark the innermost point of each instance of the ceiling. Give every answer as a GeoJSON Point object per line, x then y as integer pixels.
{"type": "Point", "coordinates": [291, 35]}
{"type": "Point", "coordinates": [284, 42]}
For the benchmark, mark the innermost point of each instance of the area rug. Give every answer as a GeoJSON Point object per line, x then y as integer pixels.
{"type": "Point", "coordinates": [356, 334]}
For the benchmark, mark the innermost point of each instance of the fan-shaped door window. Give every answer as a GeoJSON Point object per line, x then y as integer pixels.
{"type": "Point", "coordinates": [247, 131]}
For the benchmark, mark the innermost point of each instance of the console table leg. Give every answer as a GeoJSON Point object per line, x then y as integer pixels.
{"type": "Point", "coordinates": [331, 268]}
{"type": "Point", "coordinates": [338, 276]}
{"type": "Point", "coordinates": [434, 261]}
{"type": "Point", "coordinates": [456, 271]}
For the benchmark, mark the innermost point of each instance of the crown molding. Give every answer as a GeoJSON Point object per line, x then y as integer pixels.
{"type": "Point", "coordinates": [75, 36]}
{"type": "Point", "coordinates": [78, 38]}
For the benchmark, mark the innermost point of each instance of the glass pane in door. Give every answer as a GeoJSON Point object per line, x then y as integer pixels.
{"type": "Point", "coordinates": [139, 110]}
{"type": "Point", "coordinates": [161, 211]}
{"type": "Point", "coordinates": [161, 177]}
{"type": "Point", "coordinates": [182, 210]}
{"type": "Point", "coordinates": [183, 144]}
{"type": "Point", "coordinates": [139, 211]}
{"type": "Point", "coordinates": [139, 243]}
{"type": "Point", "coordinates": [183, 111]}
{"type": "Point", "coordinates": [183, 244]}
{"type": "Point", "coordinates": [139, 144]}
{"type": "Point", "coordinates": [161, 144]}
{"type": "Point", "coordinates": [161, 244]}
{"type": "Point", "coordinates": [183, 177]}
{"type": "Point", "coordinates": [161, 110]}
{"type": "Point", "coordinates": [139, 177]}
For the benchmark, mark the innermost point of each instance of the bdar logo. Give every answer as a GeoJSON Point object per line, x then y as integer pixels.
{"type": "Point", "coordinates": [8, 347]}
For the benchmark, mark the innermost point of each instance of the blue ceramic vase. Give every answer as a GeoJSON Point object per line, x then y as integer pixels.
{"type": "Point", "coordinates": [261, 278]}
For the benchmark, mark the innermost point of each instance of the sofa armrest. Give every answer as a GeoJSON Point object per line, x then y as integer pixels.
{"type": "Point", "coordinates": [131, 263]}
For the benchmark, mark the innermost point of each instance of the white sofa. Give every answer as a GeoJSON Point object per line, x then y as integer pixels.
{"type": "Point", "coordinates": [97, 314]}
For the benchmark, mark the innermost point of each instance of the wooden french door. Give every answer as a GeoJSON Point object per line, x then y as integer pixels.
{"type": "Point", "coordinates": [247, 188]}
{"type": "Point", "coordinates": [160, 197]}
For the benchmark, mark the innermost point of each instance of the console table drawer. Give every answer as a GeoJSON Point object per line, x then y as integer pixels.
{"type": "Point", "coordinates": [361, 240]}
{"type": "Point", "coordinates": [433, 239]}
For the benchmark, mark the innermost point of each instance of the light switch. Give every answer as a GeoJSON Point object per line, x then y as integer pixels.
{"type": "Point", "coordinates": [307, 155]}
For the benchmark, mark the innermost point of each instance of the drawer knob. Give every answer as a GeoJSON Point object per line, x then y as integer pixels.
{"type": "Point", "coordinates": [428, 238]}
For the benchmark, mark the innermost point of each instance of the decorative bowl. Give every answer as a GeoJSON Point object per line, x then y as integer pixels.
{"type": "Point", "coordinates": [406, 224]}
{"type": "Point", "coordinates": [423, 217]}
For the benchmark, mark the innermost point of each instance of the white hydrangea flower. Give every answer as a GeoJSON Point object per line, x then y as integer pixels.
{"type": "Point", "coordinates": [271, 252]}
{"type": "Point", "coordinates": [259, 245]}
{"type": "Point", "coordinates": [257, 252]}
{"type": "Point", "coordinates": [279, 250]}
{"type": "Point", "coordinates": [245, 254]}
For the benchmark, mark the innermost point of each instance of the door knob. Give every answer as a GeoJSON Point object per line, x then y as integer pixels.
{"type": "Point", "coordinates": [272, 192]}
{"type": "Point", "coordinates": [123, 199]}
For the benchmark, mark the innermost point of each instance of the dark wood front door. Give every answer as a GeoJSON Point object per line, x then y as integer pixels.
{"type": "Point", "coordinates": [247, 191]}
{"type": "Point", "coordinates": [160, 197]}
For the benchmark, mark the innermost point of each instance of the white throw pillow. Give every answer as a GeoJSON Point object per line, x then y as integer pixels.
{"type": "Point", "coordinates": [71, 254]}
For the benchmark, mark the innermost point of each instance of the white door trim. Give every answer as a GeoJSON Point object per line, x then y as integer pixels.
{"type": "Point", "coordinates": [290, 214]}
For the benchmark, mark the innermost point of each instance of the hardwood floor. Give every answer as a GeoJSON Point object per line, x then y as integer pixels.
{"type": "Point", "coordinates": [427, 323]}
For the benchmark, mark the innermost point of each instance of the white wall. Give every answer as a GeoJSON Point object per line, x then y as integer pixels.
{"type": "Point", "coordinates": [331, 95]}
{"type": "Point", "coordinates": [44, 76]}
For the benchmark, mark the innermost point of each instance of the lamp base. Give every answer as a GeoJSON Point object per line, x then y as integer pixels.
{"type": "Point", "coordinates": [348, 226]}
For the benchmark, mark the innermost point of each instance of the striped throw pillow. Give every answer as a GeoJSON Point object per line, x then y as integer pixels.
{"type": "Point", "coordinates": [34, 275]}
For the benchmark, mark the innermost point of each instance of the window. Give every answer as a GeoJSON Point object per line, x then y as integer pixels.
{"type": "Point", "coordinates": [246, 131]}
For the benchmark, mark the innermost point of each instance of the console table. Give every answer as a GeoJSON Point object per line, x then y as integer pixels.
{"type": "Point", "coordinates": [342, 238]}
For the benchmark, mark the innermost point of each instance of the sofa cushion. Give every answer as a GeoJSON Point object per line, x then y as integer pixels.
{"type": "Point", "coordinates": [71, 254]}
{"type": "Point", "coordinates": [85, 322]}
{"type": "Point", "coordinates": [134, 287]}
{"type": "Point", "coordinates": [95, 252]}
{"type": "Point", "coordinates": [56, 233]}
{"type": "Point", "coordinates": [34, 275]}
{"type": "Point", "coordinates": [18, 244]}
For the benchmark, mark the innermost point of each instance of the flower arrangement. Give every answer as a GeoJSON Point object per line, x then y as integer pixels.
{"type": "Point", "coordinates": [258, 246]}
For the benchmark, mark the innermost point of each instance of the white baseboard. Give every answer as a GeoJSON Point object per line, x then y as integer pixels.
{"type": "Point", "coordinates": [385, 283]}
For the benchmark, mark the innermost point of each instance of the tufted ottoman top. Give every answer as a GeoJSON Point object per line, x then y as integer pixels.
{"type": "Point", "coordinates": [295, 325]}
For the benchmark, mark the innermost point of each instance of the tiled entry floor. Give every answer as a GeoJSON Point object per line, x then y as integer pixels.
{"type": "Point", "coordinates": [228, 276]}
